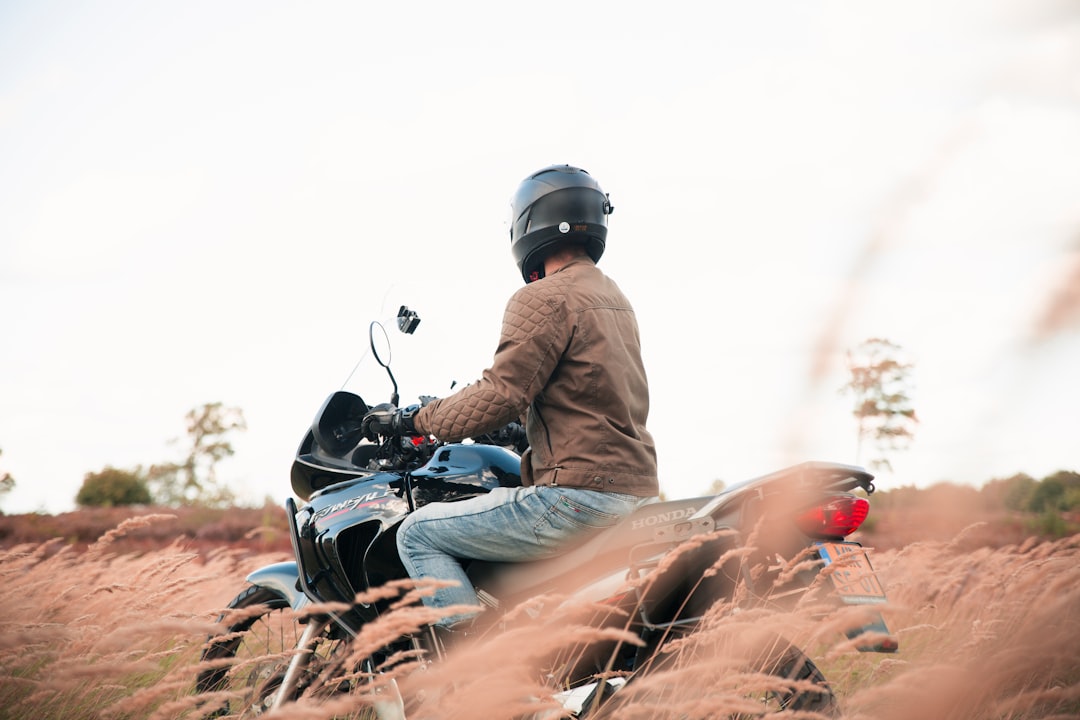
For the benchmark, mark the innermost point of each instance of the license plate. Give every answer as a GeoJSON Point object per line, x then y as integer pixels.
{"type": "Point", "coordinates": [852, 576]}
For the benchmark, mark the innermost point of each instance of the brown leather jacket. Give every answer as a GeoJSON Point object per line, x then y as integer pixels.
{"type": "Point", "coordinates": [569, 360]}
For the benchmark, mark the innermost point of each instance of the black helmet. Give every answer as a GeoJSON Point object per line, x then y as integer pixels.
{"type": "Point", "coordinates": [556, 204]}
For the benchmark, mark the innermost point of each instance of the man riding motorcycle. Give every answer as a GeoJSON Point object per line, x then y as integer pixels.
{"type": "Point", "coordinates": [569, 361]}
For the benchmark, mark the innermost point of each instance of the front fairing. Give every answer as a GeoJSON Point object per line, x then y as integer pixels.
{"type": "Point", "coordinates": [346, 532]}
{"type": "Point", "coordinates": [338, 528]}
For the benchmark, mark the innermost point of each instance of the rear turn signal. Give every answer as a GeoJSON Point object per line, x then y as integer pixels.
{"type": "Point", "coordinates": [837, 516]}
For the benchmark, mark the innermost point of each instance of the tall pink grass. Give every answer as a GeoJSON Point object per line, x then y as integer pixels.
{"type": "Point", "coordinates": [99, 634]}
{"type": "Point", "coordinates": [984, 633]}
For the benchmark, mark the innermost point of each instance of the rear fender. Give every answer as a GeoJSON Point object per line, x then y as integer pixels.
{"type": "Point", "coordinates": [284, 579]}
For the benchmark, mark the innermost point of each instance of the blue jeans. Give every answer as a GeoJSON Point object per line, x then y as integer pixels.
{"type": "Point", "coordinates": [505, 525]}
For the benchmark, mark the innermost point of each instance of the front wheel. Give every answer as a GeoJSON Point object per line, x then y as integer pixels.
{"type": "Point", "coordinates": [245, 669]}
{"type": "Point", "coordinates": [246, 662]}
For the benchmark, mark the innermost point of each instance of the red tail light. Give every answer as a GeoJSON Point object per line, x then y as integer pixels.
{"type": "Point", "coordinates": [836, 516]}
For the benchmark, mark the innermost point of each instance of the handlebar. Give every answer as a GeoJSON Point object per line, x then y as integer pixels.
{"type": "Point", "coordinates": [401, 452]}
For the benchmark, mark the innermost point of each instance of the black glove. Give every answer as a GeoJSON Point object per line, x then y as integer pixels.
{"type": "Point", "coordinates": [405, 419]}
{"type": "Point", "coordinates": [387, 420]}
{"type": "Point", "coordinates": [512, 435]}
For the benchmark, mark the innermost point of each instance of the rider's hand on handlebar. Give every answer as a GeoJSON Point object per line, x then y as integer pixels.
{"type": "Point", "coordinates": [512, 435]}
{"type": "Point", "coordinates": [387, 420]}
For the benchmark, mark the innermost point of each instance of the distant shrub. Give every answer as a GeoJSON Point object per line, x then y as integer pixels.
{"type": "Point", "coordinates": [1012, 493]}
{"type": "Point", "coordinates": [1050, 524]}
{"type": "Point", "coordinates": [112, 487]}
{"type": "Point", "coordinates": [1066, 489]}
{"type": "Point", "coordinates": [1047, 496]}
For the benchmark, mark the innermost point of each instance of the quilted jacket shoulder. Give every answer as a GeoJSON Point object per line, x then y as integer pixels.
{"type": "Point", "coordinates": [569, 362]}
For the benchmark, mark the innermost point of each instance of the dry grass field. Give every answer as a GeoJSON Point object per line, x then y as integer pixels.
{"type": "Point", "coordinates": [988, 621]}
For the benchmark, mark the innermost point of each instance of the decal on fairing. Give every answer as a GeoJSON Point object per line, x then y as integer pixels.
{"type": "Point", "coordinates": [372, 498]}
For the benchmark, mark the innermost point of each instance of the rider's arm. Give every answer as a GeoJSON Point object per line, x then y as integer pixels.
{"type": "Point", "coordinates": [535, 332]}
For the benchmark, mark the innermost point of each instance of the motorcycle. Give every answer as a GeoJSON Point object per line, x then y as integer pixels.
{"type": "Point", "coordinates": [303, 630]}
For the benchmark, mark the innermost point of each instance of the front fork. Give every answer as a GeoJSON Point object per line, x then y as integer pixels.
{"type": "Point", "coordinates": [387, 702]}
{"type": "Point", "coordinates": [298, 664]}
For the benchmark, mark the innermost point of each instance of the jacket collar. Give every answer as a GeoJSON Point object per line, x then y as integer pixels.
{"type": "Point", "coordinates": [583, 260]}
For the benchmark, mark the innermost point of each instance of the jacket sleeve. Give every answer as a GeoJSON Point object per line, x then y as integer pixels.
{"type": "Point", "coordinates": [535, 334]}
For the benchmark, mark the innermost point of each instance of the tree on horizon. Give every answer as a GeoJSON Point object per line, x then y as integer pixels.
{"type": "Point", "coordinates": [194, 479]}
{"type": "Point", "coordinates": [880, 383]}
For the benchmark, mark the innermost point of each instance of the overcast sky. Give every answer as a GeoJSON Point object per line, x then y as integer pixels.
{"type": "Point", "coordinates": [207, 201]}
